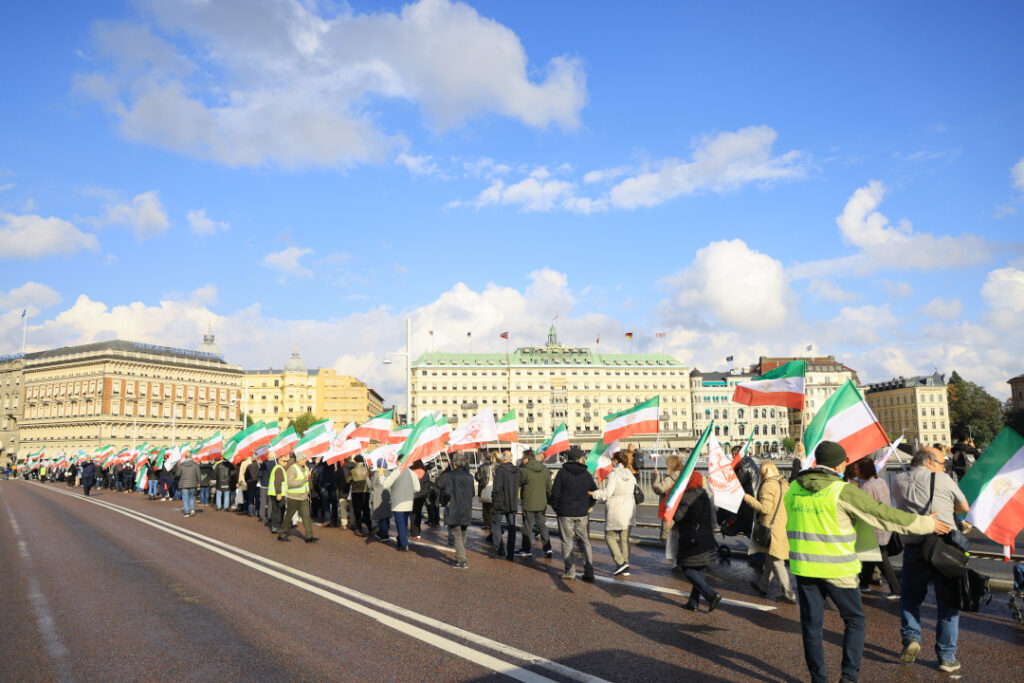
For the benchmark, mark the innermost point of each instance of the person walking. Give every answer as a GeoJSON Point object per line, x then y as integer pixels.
{"type": "Point", "coordinates": [534, 491]}
{"type": "Point", "coordinates": [380, 500]}
{"type": "Point", "coordinates": [328, 493]}
{"type": "Point", "coordinates": [266, 466]}
{"type": "Point", "coordinates": [187, 472]}
{"type": "Point", "coordinates": [205, 481]}
{"type": "Point", "coordinates": [457, 497]}
{"type": "Point", "coordinates": [570, 499]}
{"type": "Point", "coordinates": [505, 498]}
{"type": "Point", "coordinates": [485, 487]}
{"type": "Point", "coordinates": [403, 485]}
{"type": "Point", "coordinates": [276, 490]}
{"type": "Point", "coordinates": [620, 510]}
{"type": "Point", "coordinates": [822, 511]}
{"type": "Point", "coordinates": [927, 490]}
{"type": "Point", "coordinates": [250, 494]}
{"type": "Point", "coordinates": [356, 477]}
{"type": "Point", "coordinates": [697, 546]}
{"type": "Point", "coordinates": [663, 484]}
{"type": "Point", "coordinates": [875, 486]}
{"type": "Point", "coordinates": [88, 476]}
{"type": "Point", "coordinates": [420, 499]}
{"type": "Point", "coordinates": [771, 513]}
{"type": "Point", "coordinates": [297, 499]}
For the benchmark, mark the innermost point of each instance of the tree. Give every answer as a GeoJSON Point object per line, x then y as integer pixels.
{"type": "Point", "coordinates": [973, 411]}
{"type": "Point", "coordinates": [1014, 419]}
{"type": "Point", "coordinates": [302, 422]}
{"type": "Point", "coordinates": [789, 445]}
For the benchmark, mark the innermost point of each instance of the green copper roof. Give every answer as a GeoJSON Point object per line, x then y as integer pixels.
{"type": "Point", "coordinates": [546, 356]}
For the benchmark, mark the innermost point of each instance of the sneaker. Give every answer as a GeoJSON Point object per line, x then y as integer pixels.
{"type": "Point", "coordinates": [893, 596]}
{"type": "Point", "coordinates": [192, 514]}
{"type": "Point", "coordinates": [689, 607]}
{"type": "Point", "coordinates": [625, 573]}
{"type": "Point", "coordinates": [312, 539]}
{"type": "Point", "coordinates": [621, 568]}
{"type": "Point", "coordinates": [788, 601]}
{"type": "Point", "coordinates": [549, 553]}
{"type": "Point", "coordinates": [284, 539]}
{"type": "Point", "coordinates": [713, 603]}
{"type": "Point", "coordinates": [949, 666]}
{"type": "Point", "coordinates": [568, 577]}
{"type": "Point", "coordinates": [185, 515]}
{"type": "Point", "coordinates": [524, 553]}
{"type": "Point", "coordinates": [910, 650]}
{"type": "Point", "coordinates": [462, 565]}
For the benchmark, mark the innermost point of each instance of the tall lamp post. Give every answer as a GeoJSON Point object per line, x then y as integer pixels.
{"type": "Point", "coordinates": [408, 369]}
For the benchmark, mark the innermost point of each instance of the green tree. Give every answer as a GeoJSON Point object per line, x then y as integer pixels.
{"type": "Point", "coordinates": [1014, 419]}
{"type": "Point", "coordinates": [973, 411]}
{"type": "Point", "coordinates": [789, 445]}
{"type": "Point", "coordinates": [302, 422]}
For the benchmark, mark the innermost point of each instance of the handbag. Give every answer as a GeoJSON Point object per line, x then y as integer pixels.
{"type": "Point", "coordinates": [638, 494]}
{"type": "Point", "coordinates": [761, 534]}
{"type": "Point", "coordinates": [895, 545]}
{"type": "Point", "coordinates": [973, 590]}
{"type": "Point", "coordinates": [942, 552]}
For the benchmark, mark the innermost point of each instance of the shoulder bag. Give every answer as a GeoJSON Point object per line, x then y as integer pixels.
{"type": "Point", "coordinates": [940, 551]}
{"type": "Point", "coordinates": [762, 535]}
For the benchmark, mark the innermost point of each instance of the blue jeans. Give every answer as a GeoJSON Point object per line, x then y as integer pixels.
{"type": "Point", "coordinates": [151, 485]}
{"type": "Point", "coordinates": [204, 495]}
{"type": "Point", "coordinates": [402, 527]}
{"type": "Point", "coordinates": [382, 528]}
{"type": "Point", "coordinates": [696, 576]}
{"type": "Point", "coordinates": [812, 594]}
{"type": "Point", "coordinates": [223, 499]}
{"type": "Point", "coordinates": [917, 574]}
{"type": "Point", "coordinates": [188, 500]}
{"type": "Point", "coordinates": [509, 518]}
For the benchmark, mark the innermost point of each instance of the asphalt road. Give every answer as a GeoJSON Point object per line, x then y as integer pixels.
{"type": "Point", "coordinates": [117, 587]}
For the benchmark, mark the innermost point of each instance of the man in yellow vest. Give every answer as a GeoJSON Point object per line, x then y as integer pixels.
{"type": "Point", "coordinates": [276, 489]}
{"type": "Point", "coordinates": [297, 497]}
{"type": "Point", "coordinates": [824, 514]}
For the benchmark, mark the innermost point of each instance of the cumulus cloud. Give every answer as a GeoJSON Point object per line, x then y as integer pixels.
{"type": "Point", "coordinates": [202, 224]}
{"type": "Point", "coordinates": [1017, 175]}
{"type": "Point", "coordinates": [30, 294]}
{"type": "Point", "coordinates": [286, 263]}
{"type": "Point", "coordinates": [825, 289]}
{"type": "Point", "coordinates": [418, 165]}
{"type": "Point", "coordinates": [144, 214]}
{"type": "Point", "coordinates": [297, 86]}
{"type": "Point", "coordinates": [719, 163]}
{"type": "Point", "coordinates": [943, 309]}
{"type": "Point", "coordinates": [731, 284]}
{"type": "Point", "coordinates": [897, 290]}
{"type": "Point", "coordinates": [1003, 289]}
{"type": "Point", "coordinates": [32, 236]}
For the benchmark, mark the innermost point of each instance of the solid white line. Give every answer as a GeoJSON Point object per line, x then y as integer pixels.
{"type": "Point", "coordinates": [44, 617]}
{"type": "Point", "coordinates": [216, 546]}
{"type": "Point", "coordinates": [673, 591]}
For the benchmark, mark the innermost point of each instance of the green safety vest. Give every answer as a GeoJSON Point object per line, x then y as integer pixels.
{"type": "Point", "coordinates": [818, 547]}
{"type": "Point", "coordinates": [301, 489]}
{"type": "Point", "coordinates": [272, 488]}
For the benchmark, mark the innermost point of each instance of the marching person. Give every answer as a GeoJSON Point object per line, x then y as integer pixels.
{"type": "Point", "coordinates": [697, 546]}
{"type": "Point", "coordinates": [663, 484]}
{"type": "Point", "coordinates": [570, 499]}
{"type": "Point", "coordinates": [620, 510]}
{"type": "Point", "coordinates": [457, 497]}
{"type": "Point", "coordinates": [356, 476]}
{"type": "Point", "coordinates": [927, 489]}
{"type": "Point", "coordinates": [485, 487]}
{"type": "Point", "coordinates": [88, 476]}
{"type": "Point", "coordinates": [297, 499]}
{"type": "Point", "coordinates": [188, 476]}
{"type": "Point", "coordinates": [276, 489]}
{"type": "Point", "coordinates": [380, 500]}
{"type": "Point", "coordinates": [505, 498]}
{"type": "Point", "coordinates": [822, 511]}
{"type": "Point", "coordinates": [224, 491]}
{"type": "Point", "coordinates": [535, 489]}
{"type": "Point", "coordinates": [403, 485]}
{"type": "Point", "coordinates": [772, 513]}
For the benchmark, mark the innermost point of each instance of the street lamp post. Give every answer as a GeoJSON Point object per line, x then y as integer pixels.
{"type": "Point", "coordinates": [408, 369]}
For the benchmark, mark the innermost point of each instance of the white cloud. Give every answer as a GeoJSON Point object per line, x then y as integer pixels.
{"type": "Point", "coordinates": [605, 175]}
{"type": "Point", "coordinates": [202, 224]}
{"type": "Point", "coordinates": [418, 165]}
{"type": "Point", "coordinates": [32, 236]}
{"type": "Point", "coordinates": [880, 244]}
{"type": "Point", "coordinates": [733, 285]}
{"type": "Point", "coordinates": [298, 86]}
{"type": "Point", "coordinates": [859, 325]}
{"type": "Point", "coordinates": [486, 167]}
{"type": "Point", "coordinates": [825, 289]}
{"type": "Point", "coordinates": [5, 187]}
{"type": "Point", "coordinates": [898, 290]}
{"type": "Point", "coordinates": [1004, 289]}
{"type": "Point", "coordinates": [1017, 175]}
{"type": "Point", "coordinates": [30, 294]}
{"type": "Point", "coordinates": [943, 309]}
{"type": "Point", "coordinates": [531, 194]}
{"type": "Point", "coordinates": [720, 163]}
{"type": "Point", "coordinates": [144, 214]}
{"type": "Point", "coordinates": [286, 262]}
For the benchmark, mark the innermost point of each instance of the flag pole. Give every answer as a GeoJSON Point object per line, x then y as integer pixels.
{"type": "Point", "coordinates": [24, 330]}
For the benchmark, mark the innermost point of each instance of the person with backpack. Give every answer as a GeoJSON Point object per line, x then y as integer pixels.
{"type": "Point", "coordinates": [357, 476]}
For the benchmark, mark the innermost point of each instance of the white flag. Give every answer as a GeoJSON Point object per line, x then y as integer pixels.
{"type": "Point", "coordinates": [722, 478]}
{"type": "Point", "coordinates": [476, 430]}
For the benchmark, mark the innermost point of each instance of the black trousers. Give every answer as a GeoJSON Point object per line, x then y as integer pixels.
{"type": "Point", "coordinates": [361, 510]}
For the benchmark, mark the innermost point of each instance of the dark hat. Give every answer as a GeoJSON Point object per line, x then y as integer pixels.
{"type": "Point", "coordinates": [830, 454]}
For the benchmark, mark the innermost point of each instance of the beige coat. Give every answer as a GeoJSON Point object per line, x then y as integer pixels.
{"type": "Point", "coordinates": [770, 496]}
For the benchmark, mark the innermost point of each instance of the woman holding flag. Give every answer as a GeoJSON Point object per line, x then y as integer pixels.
{"type": "Point", "coordinates": [697, 546]}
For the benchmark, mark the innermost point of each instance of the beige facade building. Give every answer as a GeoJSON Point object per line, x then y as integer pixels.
{"type": "Point", "coordinates": [285, 394]}
{"type": "Point", "coordinates": [824, 377]}
{"type": "Point", "coordinates": [122, 393]}
{"type": "Point", "coordinates": [917, 407]}
{"type": "Point", "coordinates": [11, 404]}
{"type": "Point", "coordinates": [735, 423]}
{"type": "Point", "coordinates": [1016, 392]}
{"type": "Point", "coordinates": [551, 384]}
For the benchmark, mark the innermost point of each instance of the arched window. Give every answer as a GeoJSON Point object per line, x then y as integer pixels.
{"type": "Point", "coordinates": [772, 412]}
{"type": "Point", "coordinates": [725, 413]}
{"type": "Point", "coordinates": [742, 429]}
{"type": "Point", "coordinates": [739, 413]}
{"type": "Point", "coordinates": [716, 413]}
{"type": "Point", "coordinates": [756, 431]}
{"type": "Point", "coordinates": [725, 430]}
{"type": "Point", "coordinates": [773, 430]}
{"type": "Point", "coordinates": [764, 413]}
{"type": "Point", "coordinates": [718, 430]}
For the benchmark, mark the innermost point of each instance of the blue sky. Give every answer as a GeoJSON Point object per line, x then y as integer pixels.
{"type": "Point", "coordinates": [748, 178]}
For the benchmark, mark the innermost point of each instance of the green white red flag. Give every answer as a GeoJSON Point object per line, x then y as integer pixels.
{"type": "Point", "coordinates": [640, 419]}
{"type": "Point", "coordinates": [247, 442]}
{"type": "Point", "coordinates": [210, 449]}
{"type": "Point", "coordinates": [376, 428]}
{"type": "Point", "coordinates": [419, 443]}
{"type": "Point", "coordinates": [994, 488]}
{"type": "Point", "coordinates": [508, 427]}
{"type": "Point", "coordinates": [142, 479]}
{"type": "Point", "coordinates": [399, 434]}
{"type": "Point", "coordinates": [283, 443]}
{"type": "Point", "coordinates": [557, 443]}
{"type": "Point", "coordinates": [667, 506]}
{"type": "Point", "coordinates": [315, 442]}
{"type": "Point", "coordinates": [847, 419]}
{"type": "Point", "coordinates": [783, 386]}
{"type": "Point", "coordinates": [599, 461]}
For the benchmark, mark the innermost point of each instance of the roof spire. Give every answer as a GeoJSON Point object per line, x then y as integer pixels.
{"type": "Point", "coordinates": [552, 336]}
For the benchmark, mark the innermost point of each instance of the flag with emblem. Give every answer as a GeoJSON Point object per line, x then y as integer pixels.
{"type": "Point", "coordinates": [994, 488]}
{"type": "Point", "coordinates": [783, 386]}
{"type": "Point", "coordinates": [376, 428]}
{"type": "Point", "coordinates": [599, 461]}
{"type": "Point", "coordinates": [847, 419]}
{"type": "Point", "coordinates": [477, 430]}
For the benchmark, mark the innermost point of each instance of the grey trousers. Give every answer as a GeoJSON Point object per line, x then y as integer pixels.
{"type": "Point", "coordinates": [773, 566]}
{"type": "Point", "coordinates": [574, 530]}
{"type": "Point", "coordinates": [264, 505]}
{"type": "Point", "coordinates": [618, 545]}
{"type": "Point", "coordinates": [459, 532]}
{"type": "Point", "coordinates": [531, 518]}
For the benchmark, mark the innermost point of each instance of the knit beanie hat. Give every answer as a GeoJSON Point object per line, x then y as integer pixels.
{"type": "Point", "coordinates": [830, 454]}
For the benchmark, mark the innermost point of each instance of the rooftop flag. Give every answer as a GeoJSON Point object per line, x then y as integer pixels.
{"type": "Point", "coordinates": [783, 386]}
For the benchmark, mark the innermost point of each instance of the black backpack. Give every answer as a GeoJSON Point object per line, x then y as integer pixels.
{"type": "Point", "coordinates": [974, 590]}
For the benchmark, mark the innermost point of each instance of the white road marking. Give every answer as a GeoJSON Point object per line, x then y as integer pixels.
{"type": "Point", "coordinates": [685, 594]}
{"type": "Point", "coordinates": [44, 617]}
{"type": "Point", "coordinates": [304, 579]}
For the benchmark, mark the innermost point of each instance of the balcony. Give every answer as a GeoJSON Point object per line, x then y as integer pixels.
{"type": "Point", "coordinates": [586, 404]}
{"type": "Point", "coordinates": [470, 406]}
{"type": "Point", "coordinates": [529, 404]}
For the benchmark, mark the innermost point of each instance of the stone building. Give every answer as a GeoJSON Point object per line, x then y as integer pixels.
{"type": "Point", "coordinates": [824, 377]}
{"type": "Point", "coordinates": [1016, 392]}
{"type": "Point", "coordinates": [917, 407]}
{"type": "Point", "coordinates": [735, 423]}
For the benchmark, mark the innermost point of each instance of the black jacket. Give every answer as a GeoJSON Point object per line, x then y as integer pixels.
{"type": "Point", "coordinates": [697, 546]}
{"type": "Point", "coordinates": [505, 496]}
{"type": "Point", "coordinates": [88, 472]}
{"type": "Point", "coordinates": [325, 476]}
{"type": "Point", "coordinates": [458, 496]}
{"type": "Point", "coordinates": [222, 475]}
{"type": "Point", "coordinates": [252, 475]}
{"type": "Point", "coordinates": [569, 491]}
{"type": "Point", "coordinates": [205, 474]}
